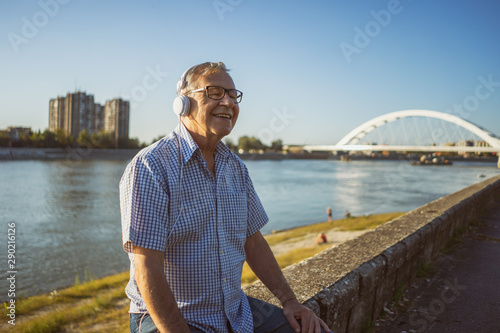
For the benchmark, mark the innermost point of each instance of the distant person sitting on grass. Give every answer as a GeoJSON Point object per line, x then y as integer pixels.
{"type": "Point", "coordinates": [321, 239]}
{"type": "Point", "coordinates": [347, 214]}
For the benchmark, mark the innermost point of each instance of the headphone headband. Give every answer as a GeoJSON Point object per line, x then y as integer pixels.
{"type": "Point", "coordinates": [182, 106]}
{"type": "Point", "coordinates": [182, 81]}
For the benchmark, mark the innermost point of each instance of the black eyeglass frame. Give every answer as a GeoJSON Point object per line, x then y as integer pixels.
{"type": "Point", "coordinates": [239, 94]}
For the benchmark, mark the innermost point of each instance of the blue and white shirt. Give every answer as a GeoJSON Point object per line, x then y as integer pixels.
{"type": "Point", "coordinates": [201, 224]}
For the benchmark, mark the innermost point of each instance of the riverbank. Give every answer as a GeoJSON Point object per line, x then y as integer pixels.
{"type": "Point", "coordinates": [75, 154]}
{"type": "Point", "coordinates": [68, 154]}
{"type": "Point", "coordinates": [101, 305]}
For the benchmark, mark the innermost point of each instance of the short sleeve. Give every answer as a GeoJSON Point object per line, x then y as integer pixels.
{"type": "Point", "coordinates": [257, 217]}
{"type": "Point", "coordinates": [143, 206]}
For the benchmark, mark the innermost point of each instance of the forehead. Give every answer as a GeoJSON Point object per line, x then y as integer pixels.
{"type": "Point", "coordinates": [218, 78]}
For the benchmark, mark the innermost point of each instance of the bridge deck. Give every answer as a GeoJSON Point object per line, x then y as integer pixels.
{"type": "Point", "coordinates": [402, 148]}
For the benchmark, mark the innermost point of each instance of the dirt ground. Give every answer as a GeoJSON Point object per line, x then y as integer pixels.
{"type": "Point", "coordinates": [333, 237]}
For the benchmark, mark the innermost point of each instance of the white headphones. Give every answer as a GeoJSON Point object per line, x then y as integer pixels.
{"type": "Point", "coordinates": [182, 106]}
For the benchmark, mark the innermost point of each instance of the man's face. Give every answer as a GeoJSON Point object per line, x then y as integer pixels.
{"type": "Point", "coordinates": [212, 119]}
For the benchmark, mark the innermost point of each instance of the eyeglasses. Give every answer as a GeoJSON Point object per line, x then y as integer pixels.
{"type": "Point", "coordinates": [218, 93]}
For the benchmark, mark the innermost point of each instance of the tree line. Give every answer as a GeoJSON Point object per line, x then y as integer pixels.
{"type": "Point", "coordinates": [246, 144]}
{"type": "Point", "coordinates": [59, 139]}
{"type": "Point", "coordinates": [253, 144]}
{"type": "Point", "coordinates": [106, 140]}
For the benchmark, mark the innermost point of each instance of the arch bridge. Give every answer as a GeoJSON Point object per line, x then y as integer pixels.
{"type": "Point", "coordinates": [351, 142]}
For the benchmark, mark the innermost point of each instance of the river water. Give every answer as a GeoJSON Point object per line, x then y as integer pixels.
{"type": "Point", "coordinates": [67, 217]}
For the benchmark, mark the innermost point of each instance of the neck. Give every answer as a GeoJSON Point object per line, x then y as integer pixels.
{"type": "Point", "coordinates": [206, 143]}
{"type": "Point", "coordinates": [207, 146]}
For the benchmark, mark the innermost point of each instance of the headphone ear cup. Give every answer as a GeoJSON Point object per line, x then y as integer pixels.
{"type": "Point", "coordinates": [182, 106]}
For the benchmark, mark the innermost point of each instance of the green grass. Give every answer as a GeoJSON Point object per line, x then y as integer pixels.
{"type": "Point", "coordinates": [93, 306]}
{"type": "Point", "coordinates": [450, 244]}
{"type": "Point", "coordinates": [56, 320]}
{"type": "Point", "coordinates": [399, 293]}
{"type": "Point", "coordinates": [425, 270]}
{"type": "Point", "coordinates": [297, 255]}
{"type": "Point", "coordinates": [347, 224]}
{"type": "Point", "coordinates": [72, 294]}
{"type": "Point", "coordinates": [367, 326]}
{"type": "Point", "coordinates": [116, 320]}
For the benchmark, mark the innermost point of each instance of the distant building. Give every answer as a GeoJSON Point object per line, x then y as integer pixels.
{"type": "Point", "coordinates": [78, 111]}
{"type": "Point", "coordinates": [15, 132]}
{"type": "Point", "coordinates": [481, 143]}
{"type": "Point", "coordinates": [116, 117]}
{"type": "Point", "coordinates": [293, 149]}
{"type": "Point", "coordinates": [56, 113]}
{"type": "Point", "coordinates": [98, 121]}
{"type": "Point", "coordinates": [72, 113]}
{"type": "Point", "coordinates": [465, 143]}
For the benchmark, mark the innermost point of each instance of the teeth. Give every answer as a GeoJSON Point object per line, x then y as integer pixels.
{"type": "Point", "coordinates": [223, 116]}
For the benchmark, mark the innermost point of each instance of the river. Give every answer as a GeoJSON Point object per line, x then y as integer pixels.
{"type": "Point", "coordinates": [67, 218]}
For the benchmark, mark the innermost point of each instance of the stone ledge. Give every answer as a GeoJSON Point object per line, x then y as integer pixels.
{"type": "Point", "coordinates": [349, 285]}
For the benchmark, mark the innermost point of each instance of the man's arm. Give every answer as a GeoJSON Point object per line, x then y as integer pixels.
{"type": "Point", "coordinates": [263, 263]}
{"type": "Point", "coordinates": [156, 292]}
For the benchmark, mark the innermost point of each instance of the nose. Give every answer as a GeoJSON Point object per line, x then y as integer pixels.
{"type": "Point", "coordinates": [227, 101]}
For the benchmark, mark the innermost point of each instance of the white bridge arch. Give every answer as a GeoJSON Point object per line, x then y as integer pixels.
{"type": "Point", "coordinates": [349, 142]}
{"type": "Point", "coordinates": [370, 125]}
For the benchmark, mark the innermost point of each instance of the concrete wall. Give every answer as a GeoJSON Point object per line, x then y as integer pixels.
{"type": "Point", "coordinates": [349, 285]}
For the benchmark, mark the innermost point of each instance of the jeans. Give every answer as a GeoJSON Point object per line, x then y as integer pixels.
{"type": "Point", "coordinates": [267, 318]}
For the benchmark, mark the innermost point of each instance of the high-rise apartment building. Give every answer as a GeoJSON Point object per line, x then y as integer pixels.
{"type": "Point", "coordinates": [78, 111]}
{"type": "Point", "coordinates": [98, 120]}
{"type": "Point", "coordinates": [56, 113]}
{"type": "Point", "coordinates": [116, 117]}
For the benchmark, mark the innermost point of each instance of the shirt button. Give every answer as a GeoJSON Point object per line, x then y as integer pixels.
{"type": "Point", "coordinates": [222, 252]}
{"type": "Point", "coordinates": [224, 279]}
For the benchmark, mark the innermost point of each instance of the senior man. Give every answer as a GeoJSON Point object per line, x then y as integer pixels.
{"type": "Point", "coordinates": [191, 217]}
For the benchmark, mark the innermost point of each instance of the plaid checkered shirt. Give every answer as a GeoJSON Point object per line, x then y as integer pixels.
{"type": "Point", "coordinates": [200, 223]}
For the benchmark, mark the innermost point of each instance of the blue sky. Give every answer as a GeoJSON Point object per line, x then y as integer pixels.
{"type": "Point", "coordinates": [310, 71]}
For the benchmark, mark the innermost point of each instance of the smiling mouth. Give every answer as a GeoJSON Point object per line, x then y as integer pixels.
{"type": "Point", "coordinates": [224, 116]}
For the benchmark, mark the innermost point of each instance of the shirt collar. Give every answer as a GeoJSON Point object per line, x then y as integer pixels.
{"type": "Point", "coordinates": [189, 146]}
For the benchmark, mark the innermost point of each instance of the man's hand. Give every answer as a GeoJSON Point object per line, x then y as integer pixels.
{"type": "Point", "coordinates": [310, 323]}
{"type": "Point", "coordinates": [261, 260]}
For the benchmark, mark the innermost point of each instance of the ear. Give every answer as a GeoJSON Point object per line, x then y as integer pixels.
{"type": "Point", "coordinates": [182, 106]}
